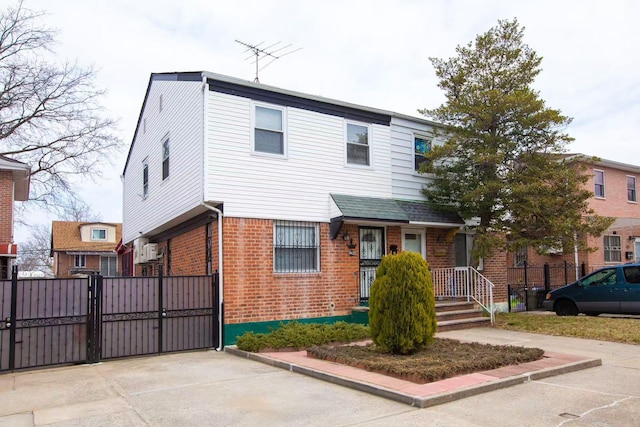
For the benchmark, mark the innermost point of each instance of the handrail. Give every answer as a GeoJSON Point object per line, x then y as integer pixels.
{"type": "Point", "coordinates": [464, 283]}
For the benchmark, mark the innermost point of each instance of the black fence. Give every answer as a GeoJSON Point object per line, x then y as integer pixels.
{"type": "Point", "coordinates": [84, 320]}
{"type": "Point", "coordinates": [528, 285]}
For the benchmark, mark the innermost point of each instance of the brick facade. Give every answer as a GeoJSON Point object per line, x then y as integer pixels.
{"type": "Point", "coordinates": [6, 207]}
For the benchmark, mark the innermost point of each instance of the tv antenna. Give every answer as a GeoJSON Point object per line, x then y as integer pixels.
{"type": "Point", "coordinates": [271, 52]}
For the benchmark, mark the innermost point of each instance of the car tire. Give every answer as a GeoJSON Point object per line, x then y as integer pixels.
{"type": "Point", "coordinates": [565, 307]}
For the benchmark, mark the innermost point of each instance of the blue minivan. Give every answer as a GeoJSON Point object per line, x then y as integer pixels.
{"type": "Point", "coordinates": [614, 289]}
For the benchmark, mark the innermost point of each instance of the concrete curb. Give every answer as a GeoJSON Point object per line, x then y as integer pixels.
{"type": "Point", "coordinates": [419, 401]}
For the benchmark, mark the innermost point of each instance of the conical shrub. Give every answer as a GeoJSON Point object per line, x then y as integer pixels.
{"type": "Point", "coordinates": [402, 314]}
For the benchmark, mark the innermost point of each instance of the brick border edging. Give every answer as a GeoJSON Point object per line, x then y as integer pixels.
{"type": "Point", "coordinates": [418, 401]}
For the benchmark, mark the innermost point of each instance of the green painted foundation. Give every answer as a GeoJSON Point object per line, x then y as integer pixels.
{"type": "Point", "coordinates": [234, 330]}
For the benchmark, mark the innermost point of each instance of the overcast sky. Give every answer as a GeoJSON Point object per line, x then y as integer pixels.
{"type": "Point", "coordinates": [374, 53]}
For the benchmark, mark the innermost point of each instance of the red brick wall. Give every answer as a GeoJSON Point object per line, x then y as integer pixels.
{"type": "Point", "coordinates": [6, 207]}
{"type": "Point", "coordinates": [494, 270]}
{"type": "Point", "coordinates": [440, 252]}
{"type": "Point", "coordinates": [253, 292]}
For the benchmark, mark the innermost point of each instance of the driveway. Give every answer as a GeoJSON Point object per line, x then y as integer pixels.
{"type": "Point", "coordinates": [219, 389]}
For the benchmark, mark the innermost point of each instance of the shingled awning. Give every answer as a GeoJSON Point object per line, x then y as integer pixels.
{"type": "Point", "coordinates": [357, 208]}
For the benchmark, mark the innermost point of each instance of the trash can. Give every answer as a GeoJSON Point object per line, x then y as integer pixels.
{"type": "Point", "coordinates": [535, 297]}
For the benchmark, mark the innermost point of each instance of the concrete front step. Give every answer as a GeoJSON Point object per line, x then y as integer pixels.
{"type": "Point", "coordinates": [442, 306]}
{"type": "Point", "coordinates": [443, 316]}
{"type": "Point", "coordinates": [454, 325]}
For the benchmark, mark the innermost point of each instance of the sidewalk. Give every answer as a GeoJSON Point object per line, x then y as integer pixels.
{"type": "Point", "coordinates": [216, 388]}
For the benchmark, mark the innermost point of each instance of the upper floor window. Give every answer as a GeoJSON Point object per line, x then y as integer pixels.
{"type": "Point", "coordinates": [98, 234]}
{"type": "Point", "coordinates": [631, 189]}
{"type": "Point", "coordinates": [145, 178]}
{"type": "Point", "coordinates": [269, 130]}
{"type": "Point", "coordinates": [165, 159]}
{"type": "Point", "coordinates": [358, 144]}
{"type": "Point", "coordinates": [612, 249]}
{"type": "Point", "coordinates": [296, 247]}
{"type": "Point", "coordinates": [599, 183]}
{"type": "Point", "coordinates": [421, 145]}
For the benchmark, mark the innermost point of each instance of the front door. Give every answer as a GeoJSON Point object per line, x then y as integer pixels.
{"type": "Point", "coordinates": [371, 252]}
{"type": "Point", "coordinates": [414, 241]}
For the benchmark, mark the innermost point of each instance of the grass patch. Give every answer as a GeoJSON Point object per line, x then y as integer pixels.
{"type": "Point", "coordinates": [596, 328]}
{"type": "Point", "coordinates": [297, 336]}
{"type": "Point", "coordinates": [444, 358]}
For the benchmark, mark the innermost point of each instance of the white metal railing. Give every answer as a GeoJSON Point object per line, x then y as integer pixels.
{"type": "Point", "coordinates": [464, 283]}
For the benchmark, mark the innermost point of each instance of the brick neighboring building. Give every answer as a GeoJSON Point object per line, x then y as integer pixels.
{"type": "Point", "coordinates": [14, 186]}
{"type": "Point", "coordinates": [82, 248]}
{"type": "Point", "coordinates": [615, 194]}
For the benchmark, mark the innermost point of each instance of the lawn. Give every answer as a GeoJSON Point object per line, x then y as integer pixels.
{"type": "Point", "coordinates": [623, 330]}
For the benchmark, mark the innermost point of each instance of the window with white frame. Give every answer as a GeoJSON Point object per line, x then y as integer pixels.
{"type": "Point", "coordinates": [358, 144]}
{"type": "Point", "coordinates": [631, 189]}
{"type": "Point", "coordinates": [421, 146]}
{"type": "Point", "coordinates": [98, 234]}
{"type": "Point", "coordinates": [80, 261]}
{"type": "Point", "coordinates": [109, 265]}
{"type": "Point", "coordinates": [269, 134]}
{"type": "Point", "coordinates": [296, 247]}
{"type": "Point", "coordinates": [612, 249]}
{"type": "Point", "coordinates": [145, 178]}
{"type": "Point", "coordinates": [598, 178]}
{"type": "Point", "coordinates": [165, 158]}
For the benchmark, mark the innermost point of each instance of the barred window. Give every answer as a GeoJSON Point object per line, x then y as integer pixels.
{"type": "Point", "coordinates": [296, 247]}
{"type": "Point", "coordinates": [612, 249]}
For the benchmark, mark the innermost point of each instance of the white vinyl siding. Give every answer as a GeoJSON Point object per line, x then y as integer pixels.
{"type": "Point", "coordinates": [181, 117]}
{"type": "Point", "coordinates": [297, 188]}
{"type": "Point", "coordinates": [407, 183]}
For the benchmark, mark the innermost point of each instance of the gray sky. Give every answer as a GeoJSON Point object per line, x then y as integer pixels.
{"type": "Point", "coordinates": [372, 52]}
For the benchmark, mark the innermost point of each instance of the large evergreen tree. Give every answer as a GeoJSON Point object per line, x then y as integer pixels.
{"type": "Point", "coordinates": [503, 163]}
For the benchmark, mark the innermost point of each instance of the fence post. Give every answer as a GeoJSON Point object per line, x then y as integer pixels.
{"type": "Point", "coordinates": [161, 311]}
{"type": "Point", "coordinates": [526, 278]}
{"type": "Point", "coordinates": [217, 311]}
{"type": "Point", "coordinates": [584, 270]}
{"type": "Point", "coordinates": [94, 319]}
{"type": "Point", "coordinates": [12, 319]}
{"type": "Point", "coordinates": [547, 276]}
{"type": "Point", "coordinates": [566, 274]}
{"type": "Point", "coordinates": [509, 297]}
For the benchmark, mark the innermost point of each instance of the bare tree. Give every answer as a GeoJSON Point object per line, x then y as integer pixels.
{"type": "Point", "coordinates": [50, 113]}
{"type": "Point", "coordinates": [35, 253]}
{"type": "Point", "coordinates": [77, 210]}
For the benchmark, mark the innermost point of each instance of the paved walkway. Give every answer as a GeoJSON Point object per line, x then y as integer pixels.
{"type": "Point", "coordinates": [219, 389]}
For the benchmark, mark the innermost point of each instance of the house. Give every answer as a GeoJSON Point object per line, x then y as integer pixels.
{"type": "Point", "coordinates": [14, 186]}
{"type": "Point", "coordinates": [83, 248]}
{"type": "Point", "coordinates": [615, 194]}
{"type": "Point", "coordinates": [292, 198]}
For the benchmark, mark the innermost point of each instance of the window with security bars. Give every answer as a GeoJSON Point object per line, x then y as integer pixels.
{"type": "Point", "coordinates": [296, 247]}
{"type": "Point", "coordinates": [612, 249]}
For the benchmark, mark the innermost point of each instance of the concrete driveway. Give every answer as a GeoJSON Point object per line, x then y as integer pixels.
{"type": "Point", "coordinates": [219, 389]}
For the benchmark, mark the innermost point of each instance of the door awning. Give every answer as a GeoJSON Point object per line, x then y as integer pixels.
{"type": "Point", "coordinates": [392, 211]}
{"type": "Point", "coordinates": [8, 249]}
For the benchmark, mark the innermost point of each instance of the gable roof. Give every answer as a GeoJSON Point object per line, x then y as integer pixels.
{"type": "Point", "coordinates": [21, 176]}
{"type": "Point", "coordinates": [65, 236]}
{"type": "Point", "coordinates": [258, 91]}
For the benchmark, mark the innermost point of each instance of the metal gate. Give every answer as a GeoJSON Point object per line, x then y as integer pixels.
{"type": "Point", "coordinates": [65, 321]}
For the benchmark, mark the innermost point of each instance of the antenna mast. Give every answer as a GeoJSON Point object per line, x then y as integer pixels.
{"type": "Point", "coordinates": [261, 52]}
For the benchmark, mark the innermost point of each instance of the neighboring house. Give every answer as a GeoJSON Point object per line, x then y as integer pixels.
{"type": "Point", "coordinates": [294, 198]}
{"type": "Point", "coordinates": [14, 186]}
{"type": "Point", "coordinates": [615, 194]}
{"type": "Point", "coordinates": [83, 248]}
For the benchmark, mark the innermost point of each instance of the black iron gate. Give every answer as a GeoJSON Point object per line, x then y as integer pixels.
{"type": "Point", "coordinates": [65, 321]}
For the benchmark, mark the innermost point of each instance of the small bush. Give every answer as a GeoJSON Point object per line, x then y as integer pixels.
{"type": "Point", "coordinates": [302, 335]}
{"type": "Point", "coordinates": [402, 314]}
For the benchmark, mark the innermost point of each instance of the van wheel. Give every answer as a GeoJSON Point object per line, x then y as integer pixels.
{"type": "Point", "coordinates": [565, 307]}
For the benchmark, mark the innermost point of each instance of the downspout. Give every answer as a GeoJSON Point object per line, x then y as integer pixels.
{"type": "Point", "coordinates": [220, 277]}
{"type": "Point", "coordinates": [205, 106]}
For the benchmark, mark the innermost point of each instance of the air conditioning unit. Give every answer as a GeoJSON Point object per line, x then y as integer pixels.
{"type": "Point", "coordinates": [150, 252]}
{"type": "Point", "coordinates": [138, 250]}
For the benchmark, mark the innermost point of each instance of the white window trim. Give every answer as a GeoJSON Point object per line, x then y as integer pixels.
{"type": "Point", "coordinates": [285, 144]}
{"type": "Point", "coordinates": [635, 189]}
{"type": "Point", "coordinates": [80, 265]}
{"type": "Point", "coordinates": [346, 143]}
{"type": "Point", "coordinates": [413, 150]}
{"type": "Point", "coordinates": [604, 184]}
{"type": "Point", "coordinates": [319, 246]}
{"type": "Point", "coordinates": [617, 249]}
{"type": "Point", "coordinates": [106, 234]}
{"type": "Point", "coordinates": [162, 158]}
